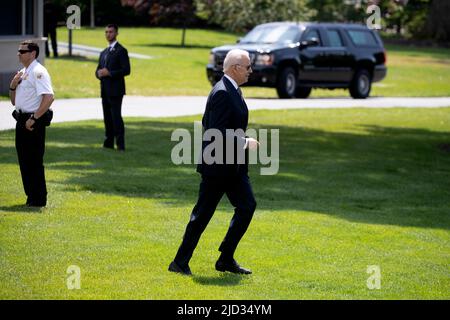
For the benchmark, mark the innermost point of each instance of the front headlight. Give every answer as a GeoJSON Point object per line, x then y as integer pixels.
{"type": "Point", "coordinates": [264, 59]}
{"type": "Point", "coordinates": [211, 58]}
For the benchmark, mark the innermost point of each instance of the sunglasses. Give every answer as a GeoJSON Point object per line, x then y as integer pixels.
{"type": "Point", "coordinates": [21, 51]}
{"type": "Point", "coordinates": [246, 67]}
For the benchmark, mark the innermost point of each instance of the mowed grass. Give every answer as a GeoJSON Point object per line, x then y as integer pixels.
{"type": "Point", "coordinates": [182, 71]}
{"type": "Point", "coordinates": [356, 188]}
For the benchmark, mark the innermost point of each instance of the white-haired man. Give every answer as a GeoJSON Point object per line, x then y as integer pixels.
{"type": "Point", "coordinates": [225, 109]}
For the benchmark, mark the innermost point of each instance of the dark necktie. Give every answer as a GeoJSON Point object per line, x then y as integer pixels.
{"type": "Point", "coordinates": [108, 50]}
{"type": "Point", "coordinates": [105, 58]}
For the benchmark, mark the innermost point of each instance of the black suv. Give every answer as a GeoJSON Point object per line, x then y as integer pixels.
{"type": "Point", "coordinates": [296, 57]}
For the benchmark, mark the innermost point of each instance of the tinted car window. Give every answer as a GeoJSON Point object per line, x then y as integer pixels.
{"type": "Point", "coordinates": [272, 34]}
{"type": "Point", "coordinates": [362, 38]}
{"type": "Point", "coordinates": [313, 34]}
{"type": "Point", "coordinates": [335, 38]}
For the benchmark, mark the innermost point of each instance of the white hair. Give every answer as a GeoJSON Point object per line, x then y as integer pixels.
{"type": "Point", "coordinates": [233, 57]}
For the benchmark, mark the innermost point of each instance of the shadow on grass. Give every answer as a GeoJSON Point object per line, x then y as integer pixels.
{"type": "Point", "coordinates": [343, 97]}
{"type": "Point", "coordinates": [21, 208]}
{"type": "Point", "coordinates": [226, 279]}
{"type": "Point", "coordinates": [416, 51]}
{"type": "Point", "coordinates": [74, 57]}
{"type": "Point", "coordinates": [382, 175]}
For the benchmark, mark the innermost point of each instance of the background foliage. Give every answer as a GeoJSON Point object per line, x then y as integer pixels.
{"type": "Point", "coordinates": [412, 19]}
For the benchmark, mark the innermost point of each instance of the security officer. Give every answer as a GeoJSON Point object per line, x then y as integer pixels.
{"type": "Point", "coordinates": [113, 66]}
{"type": "Point", "coordinates": [32, 94]}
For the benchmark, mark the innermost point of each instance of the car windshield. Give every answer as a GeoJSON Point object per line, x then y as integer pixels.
{"type": "Point", "coordinates": [271, 34]}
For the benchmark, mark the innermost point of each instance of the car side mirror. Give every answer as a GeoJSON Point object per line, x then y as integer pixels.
{"type": "Point", "coordinates": [313, 42]}
{"type": "Point", "coordinates": [309, 43]}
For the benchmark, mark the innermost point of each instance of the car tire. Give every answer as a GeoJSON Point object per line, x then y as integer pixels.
{"type": "Point", "coordinates": [287, 83]}
{"type": "Point", "coordinates": [303, 92]}
{"type": "Point", "coordinates": [361, 84]}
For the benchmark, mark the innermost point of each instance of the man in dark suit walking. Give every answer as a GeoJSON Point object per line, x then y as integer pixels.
{"type": "Point", "coordinates": [225, 109]}
{"type": "Point", "coordinates": [113, 66]}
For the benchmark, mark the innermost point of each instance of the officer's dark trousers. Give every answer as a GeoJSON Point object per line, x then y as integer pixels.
{"type": "Point", "coordinates": [30, 146]}
{"type": "Point", "coordinates": [114, 126]}
{"type": "Point", "coordinates": [240, 194]}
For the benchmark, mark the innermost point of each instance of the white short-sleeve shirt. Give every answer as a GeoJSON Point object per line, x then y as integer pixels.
{"type": "Point", "coordinates": [35, 82]}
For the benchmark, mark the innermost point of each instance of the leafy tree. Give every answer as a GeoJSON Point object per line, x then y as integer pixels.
{"type": "Point", "coordinates": [173, 13]}
{"type": "Point", "coordinates": [111, 11]}
{"type": "Point", "coordinates": [406, 16]}
{"type": "Point", "coordinates": [338, 10]}
{"type": "Point", "coordinates": [166, 13]}
{"type": "Point", "coordinates": [242, 15]}
{"type": "Point", "coordinates": [438, 23]}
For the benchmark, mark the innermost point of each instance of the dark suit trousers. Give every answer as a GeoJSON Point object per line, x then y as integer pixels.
{"type": "Point", "coordinates": [112, 116]}
{"type": "Point", "coordinates": [30, 146]}
{"type": "Point", "coordinates": [240, 194]}
{"type": "Point", "coordinates": [52, 33]}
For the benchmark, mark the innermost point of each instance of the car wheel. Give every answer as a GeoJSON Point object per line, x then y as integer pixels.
{"type": "Point", "coordinates": [361, 85]}
{"type": "Point", "coordinates": [287, 83]}
{"type": "Point", "coordinates": [303, 92]}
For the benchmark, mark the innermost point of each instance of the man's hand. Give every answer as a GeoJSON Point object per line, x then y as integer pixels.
{"type": "Point", "coordinates": [15, 81]}
{"type": "Point", "coordinates": [103, 73]}
{"type": "Point", "coordinates": [252, 144]}
{"type": "Point", "coordinates": [30, 122]}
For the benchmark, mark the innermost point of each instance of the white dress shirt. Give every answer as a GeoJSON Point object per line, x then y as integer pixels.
{"type": "Point", "coordinates": [111, 46]}
{"type": "Point", "coordinates": [232, 81]}
{"type": "Point", "coordinates": [35, 82]}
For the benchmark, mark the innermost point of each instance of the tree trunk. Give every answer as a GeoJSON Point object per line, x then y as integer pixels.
{"type": "Point", "coordinates": [183, 35]}
{"type": "Point", "coordinates": [92, 14]}
{"type": "Point", "coordinates": [70, 42]}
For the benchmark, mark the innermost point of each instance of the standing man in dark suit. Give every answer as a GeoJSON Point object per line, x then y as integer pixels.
{"type": "Point", "coordinates": [50, 24]}
{"type": "Point", "coordinates": [113, 66]}
{"type": "Point", "coordinates": [225, 109]}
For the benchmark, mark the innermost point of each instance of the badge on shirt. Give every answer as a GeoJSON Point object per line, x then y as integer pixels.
{"type": "Point", "coordinates": [39, 75]}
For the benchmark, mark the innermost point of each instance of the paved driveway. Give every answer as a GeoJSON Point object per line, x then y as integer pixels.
{"type": "Point", "coordinates": [136, 106]}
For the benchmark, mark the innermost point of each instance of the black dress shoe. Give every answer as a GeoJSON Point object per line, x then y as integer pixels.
{"type": "Point", "coordinates": [36, 204]}
{"type": "Point", "coordinates": [232, 267]}
{"type": "Point", "coordinates": [175, 267]}
{"type": "Point", "coordinates": [108, 144]}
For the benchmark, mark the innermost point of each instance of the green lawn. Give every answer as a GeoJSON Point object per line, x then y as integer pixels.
{"type": "Point", "coordinates": [177, 71]}
{"type": "Point", "coordinates": [356, 187]}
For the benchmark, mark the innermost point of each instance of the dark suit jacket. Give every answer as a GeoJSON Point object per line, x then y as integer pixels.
{"type": "Point", "coordinates": [225, 109]}
{"type": "Point", "coordinates": [118, 64]}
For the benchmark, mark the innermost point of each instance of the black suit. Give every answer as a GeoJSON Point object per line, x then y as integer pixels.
{"type": "Point", "coordinates": [225, 109]}
{"type": "Point", "coordinates": [50, 25]}
{"type": "Point", "coordinates": [117, 62]}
